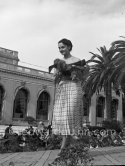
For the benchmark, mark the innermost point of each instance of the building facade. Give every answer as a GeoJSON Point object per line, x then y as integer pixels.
{"type": "Point", "coordinates": [95, 111]}
{"type": "Point", "coordinates": [23, 91]}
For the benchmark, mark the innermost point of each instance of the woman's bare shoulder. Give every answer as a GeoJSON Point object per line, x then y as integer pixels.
{"type": "Point", "coordinates": [72, 59]}
{"type": "Point", "coordinates": [75, 58]}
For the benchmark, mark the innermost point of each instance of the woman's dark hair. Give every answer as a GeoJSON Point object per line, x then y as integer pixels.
{"type": "Point", "coordinates": [66, 42]}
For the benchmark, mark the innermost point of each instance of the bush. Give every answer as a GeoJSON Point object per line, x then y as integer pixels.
{"type": "Point", "coordinates": [30, 120]}
{"type": "Point", "coordinates": [112, 124]}
{"type": "Point", "coordinates": [92, 128]}
{"type": "Point", "coordinates": [14, 143]}
{"type": "Point", "coordinates": [10, 145]}
{"type": "Point", "coordinates": [54, 142]}
{"type": "Point", "coordinates": [76, 154]}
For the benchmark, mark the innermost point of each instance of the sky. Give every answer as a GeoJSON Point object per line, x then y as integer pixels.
{"type": "Point", "coordinates": [34, 27]}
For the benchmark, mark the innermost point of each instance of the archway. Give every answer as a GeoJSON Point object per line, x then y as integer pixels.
{"type": "Point", "coordinates": [20, 104]}
{"type": "Point", "coordinates": [42, 106]}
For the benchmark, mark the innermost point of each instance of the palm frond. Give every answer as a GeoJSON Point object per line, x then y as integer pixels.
{"type": "Point", "coordinates": [96, 56]}
{"type": "Point", "coordinates": [118, 42]}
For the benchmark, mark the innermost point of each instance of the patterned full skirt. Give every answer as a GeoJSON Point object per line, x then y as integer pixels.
{"type": "Point", "coordinates": [68, 108]}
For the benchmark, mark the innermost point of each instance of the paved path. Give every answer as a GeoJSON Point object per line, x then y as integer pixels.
{"type": "Point", "coordinates": [102, 156]}
{"type": "Point", "coordinates": [39, 158]}
{"type": "Point", "coordinates": [109, 156]}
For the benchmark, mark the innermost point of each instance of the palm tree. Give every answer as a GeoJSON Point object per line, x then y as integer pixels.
{"type": "Point", "coordinates": [99, 75]}
{"type": "Point", "coordinates": [118, 75]}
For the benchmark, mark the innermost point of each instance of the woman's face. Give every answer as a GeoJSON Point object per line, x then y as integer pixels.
{"type": "Point", "coordinates": [64, 49]}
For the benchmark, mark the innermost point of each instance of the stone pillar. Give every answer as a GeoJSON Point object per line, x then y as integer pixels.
{"type": "Point", "coordinates": [7, 110]}
{"type": "Point", "coordinates": [92, 111]}
{"type": "Point", "coordinates": [31, 107]}
{"type": "Point", "coordinates": [51, 105]}
{"type": "Point", "coordinates": [32, 102]}
{"type": "Point", "coordinates": [105, 113]}
{"type": "Point", "coordinates": [119, 111]}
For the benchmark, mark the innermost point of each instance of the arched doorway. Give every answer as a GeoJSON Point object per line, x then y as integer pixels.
{"type": "Point", "coordinates": [42, 106]}
{"type": "Point", "coordinates": [20, 104]}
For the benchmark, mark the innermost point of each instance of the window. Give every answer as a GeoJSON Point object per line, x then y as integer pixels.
{"type": "Point", "coordinates": [123, 105]}
{"type": "Point", "coordinates": [20, 104]}
{"type": "Point", "coordinates": [85, 105]}
{"type": "Point", "coordinates": [1, 100]}
{"type": "Point", "coordinates": [100, 106]}
{"type": "Point", "coordinates": [114, 108]}
{"type": "Point", "coordinates": [42, 106]}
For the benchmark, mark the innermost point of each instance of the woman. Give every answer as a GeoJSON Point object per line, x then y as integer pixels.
{"type": "Point", "coordinates": [68, 110]}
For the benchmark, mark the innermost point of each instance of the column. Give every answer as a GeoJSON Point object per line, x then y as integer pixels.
{"type": "Point", "coordinates": [51, 105]}
{"type": "Point", "coordinates": [32, 104]}
{"type": "Point", "coordinates": [92, 111]}
{"type": "Point", "coordinates": [105, 113]}
{"type": "Point", "coordinates": [119, 111]}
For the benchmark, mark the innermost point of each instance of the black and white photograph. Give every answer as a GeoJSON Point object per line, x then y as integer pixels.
{"type": "Point", "coordinates": [62, 82]}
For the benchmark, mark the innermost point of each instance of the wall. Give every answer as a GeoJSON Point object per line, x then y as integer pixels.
{"type": "Point", "coordinates": [12, 81]}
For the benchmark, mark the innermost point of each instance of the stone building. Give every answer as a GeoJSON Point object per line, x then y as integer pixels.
{"type": "Point", "coordinates": [95, 112]}
{"type": "Point", "coordinates": [23, 91]}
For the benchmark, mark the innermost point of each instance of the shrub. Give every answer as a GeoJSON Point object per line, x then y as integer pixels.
{"type": "Point", "coordinates": [30, 120]}
{"type": "Point", "coordinates": [54, 142]}
{"type": "Point", "coordinates": [76, 154]}
{"type": "Point", "coordinates": [10, 145]}
{"type": "Point", "coordinates": [92, 128]}
{"type": "Point", "coordinates": [112, 124]}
